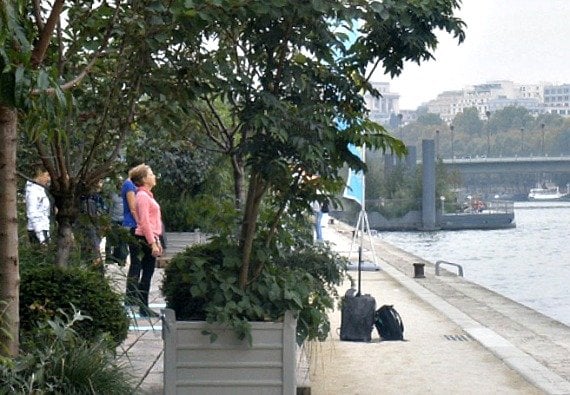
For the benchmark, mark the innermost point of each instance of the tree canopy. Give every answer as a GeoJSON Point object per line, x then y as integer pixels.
{"type": "Point", "coordinates": [276, 85]}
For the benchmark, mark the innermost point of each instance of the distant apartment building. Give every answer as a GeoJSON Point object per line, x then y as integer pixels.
{"type": "Point", "coordinates": [491, 96]}
{"type": "Point", "coordinates": [446, 104]}
{"type": "Point", "coordinates": [531, 91]}
{"type": "Point", "coordinates": [383, 108]}
{"type": "Point", "coordinates": [557, 99]}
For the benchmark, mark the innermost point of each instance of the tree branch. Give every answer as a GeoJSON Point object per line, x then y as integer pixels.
{"type": "Point", "coordinates": [40, 49]}
{"type": "Point", "coordinates": [38, 15]}
{"type": "Point", "coordinates": [77, 80]}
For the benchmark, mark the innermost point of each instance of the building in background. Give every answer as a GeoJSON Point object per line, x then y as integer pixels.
{"type": "Point", "coordinates": [496, 95]}
{"type": "Point", "coordinates": [384, 107]}
{"type": "Point", "coordinates": [556, 99]}
{"type": "Point", "coordinates": [490, 96]}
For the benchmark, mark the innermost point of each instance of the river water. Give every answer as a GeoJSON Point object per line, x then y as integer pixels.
{"type": "Point", "coordinates": [529, 264]}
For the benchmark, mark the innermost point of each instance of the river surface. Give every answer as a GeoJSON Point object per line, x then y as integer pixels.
{"type": "Point", "coordinates": [529, 264]}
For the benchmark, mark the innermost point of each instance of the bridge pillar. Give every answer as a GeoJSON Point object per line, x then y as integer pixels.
{"type": "Point", "coordinates": [428, 185]}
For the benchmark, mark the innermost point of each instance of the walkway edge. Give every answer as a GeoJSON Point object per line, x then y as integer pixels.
{"type": "Point", "coordinates": [527, 366]}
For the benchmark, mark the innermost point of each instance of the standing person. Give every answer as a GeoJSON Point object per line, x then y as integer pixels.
{"type": "Point", "coordinates": [38, 207]}
{"type": "Point", "coordinates": [318, 215]}
{"type": "Point", "coordinates": [148, 231]}
{"type": "Point", "coordinates": [130, 219]}
{"type": "Point", "coordinates": [116, 247]}
{"type": "Point", "coordinates": [93, 207]}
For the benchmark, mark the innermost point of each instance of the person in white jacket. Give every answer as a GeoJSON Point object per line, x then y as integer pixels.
{"type": "Point", "coordinates": [38, 208]}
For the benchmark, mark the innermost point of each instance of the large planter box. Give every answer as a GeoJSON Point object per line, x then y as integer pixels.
{"type": "Point", "coordinates": [193, 365]}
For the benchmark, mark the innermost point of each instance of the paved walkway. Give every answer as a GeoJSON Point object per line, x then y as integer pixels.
{"type": "Point", "coordinates": [460, 338]}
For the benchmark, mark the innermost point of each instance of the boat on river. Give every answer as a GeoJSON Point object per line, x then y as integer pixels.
{"type": "Point", "coordinates": [546, 192]}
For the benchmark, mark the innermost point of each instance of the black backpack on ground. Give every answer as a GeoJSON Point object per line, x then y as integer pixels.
{"type": "Point", "coordinates": [388, 323]}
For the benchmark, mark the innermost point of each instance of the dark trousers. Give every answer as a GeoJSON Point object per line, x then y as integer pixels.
{"type": "Point", "coordinates": [34, 239]}
{"type": "Point", "coordinates": [140, 272]}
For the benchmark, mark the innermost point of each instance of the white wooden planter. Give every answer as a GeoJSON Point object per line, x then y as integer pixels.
{"type": "Point", "coordinates": [193, 365]}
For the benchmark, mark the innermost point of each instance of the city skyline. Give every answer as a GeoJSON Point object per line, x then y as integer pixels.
{"type": "Point", "coordinates": [515, 40]}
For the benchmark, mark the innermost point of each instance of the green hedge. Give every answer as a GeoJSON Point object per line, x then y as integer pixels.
{"type": "Point", "coordinates": [46, 288]}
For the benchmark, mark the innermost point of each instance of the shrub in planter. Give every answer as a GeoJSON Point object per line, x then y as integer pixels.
{"type": "Point", "coordinates": [201, 283]}
{"type": "Point", "coordinates": [328, 270]}
{"type": "Point", "coordinates": [44, 289]}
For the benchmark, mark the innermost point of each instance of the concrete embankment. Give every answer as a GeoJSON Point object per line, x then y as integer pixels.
{"type": "Point", "coordinates": [461, 338]}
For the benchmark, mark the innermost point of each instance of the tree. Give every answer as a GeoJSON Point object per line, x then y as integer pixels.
{"type": "Point", "coordinates": [469, 122]}
{"type": "Point", "coordinates": [290, 72]}
{"type": "Point", "coordinates": [287, 70]}
{"type": "Point", "coordinates": [77, 133]}
{"type": "Point", "coordinates": [80, 142]}
{"type": "Point", "coordinates": [16, 51]}
{"type": "Point", "coordinates": [511, 117]}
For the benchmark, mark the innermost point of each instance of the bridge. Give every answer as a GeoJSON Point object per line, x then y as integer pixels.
{"type": "Point", "coordinates": [519, 165]}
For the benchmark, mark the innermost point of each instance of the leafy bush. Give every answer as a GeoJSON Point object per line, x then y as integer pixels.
{"type": "Point", "coordinates": [203, 212]}
{"type": "Point", "coordinates": [45, 289]}
{"type": "Point", "coordinates": [60, 362]}
{"type": "Point", "coordinates": [328, 270]}
{"type": "Point", "coordinates": [201, 283]}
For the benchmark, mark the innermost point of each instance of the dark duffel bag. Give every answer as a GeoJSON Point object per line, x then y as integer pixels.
{"type": "Point", "coordinates": [357, 317]}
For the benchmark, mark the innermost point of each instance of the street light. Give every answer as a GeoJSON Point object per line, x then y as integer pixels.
{"type": "Point", "coordinates": [400, 116]}
{"type": "Point", "coordinates": [522, 141]}
{"type": "Point", "coordinates": [442, 198]}
{"type": "Point", "coordinates": [488, 114]}
{"type": "Point", "coordinates": [451, 127]}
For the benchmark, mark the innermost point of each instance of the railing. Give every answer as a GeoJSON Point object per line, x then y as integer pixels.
{"type": "Point", "coordinates": [439, 263]}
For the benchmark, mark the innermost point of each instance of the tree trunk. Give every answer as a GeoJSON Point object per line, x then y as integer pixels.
{"type": "Point", "coordinates": [256, 190]}
{"type": "Point", "coordinates": [64, 243]}
{"type": "Point", "coordinates": [9, 264]}
{"type": "Point", "coordinates": [66, 216]}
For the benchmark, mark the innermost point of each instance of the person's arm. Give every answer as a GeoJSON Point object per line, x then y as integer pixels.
{"type": "Point", "coordinates": [132, 202]}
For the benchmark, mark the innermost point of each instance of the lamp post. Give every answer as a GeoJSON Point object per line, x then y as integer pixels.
{"type": "Point", "coordinates": [451, 127]}
{"type": "Point", "coordinates": [488, 114]}
{"type": "Point", "coordinates": [522, 141]}
{"type": "Point", "coordinates": [542, 142]}
{"type": "Point", "coordinates": [442, 198]}
{"type": "Point", "coordinates": [400, 116]}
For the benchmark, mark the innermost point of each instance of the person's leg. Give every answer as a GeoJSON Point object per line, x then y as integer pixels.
{"type": "Point", "coordinates": [148, 264]}
{"type": "Point", "coordinates": [318, 229]}
{"type": "Point", "coordinates": [32, 237]}
{"type": "Point", "coordinates": [132, 296]}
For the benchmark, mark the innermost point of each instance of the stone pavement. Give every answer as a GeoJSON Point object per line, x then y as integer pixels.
{"type": "Point", "coordinates": [460, 338]}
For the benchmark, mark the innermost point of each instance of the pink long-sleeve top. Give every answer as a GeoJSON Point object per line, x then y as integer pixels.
{"type": "Point", "coordinates": [148, 210]}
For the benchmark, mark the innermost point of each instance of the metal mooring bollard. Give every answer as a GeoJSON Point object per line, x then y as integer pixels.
{"type": "Point", "coordinates": [419, 270]}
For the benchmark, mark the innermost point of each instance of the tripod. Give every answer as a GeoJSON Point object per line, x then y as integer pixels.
{"type": "Point", "coordinates": [362, 227]}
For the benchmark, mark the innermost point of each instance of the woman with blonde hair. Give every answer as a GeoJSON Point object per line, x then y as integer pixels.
{"type": "Point", "coordinates": [148, 230]}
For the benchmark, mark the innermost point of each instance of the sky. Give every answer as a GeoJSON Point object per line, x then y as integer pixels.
{"type": "Point", "coordinates": [524, 41]}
